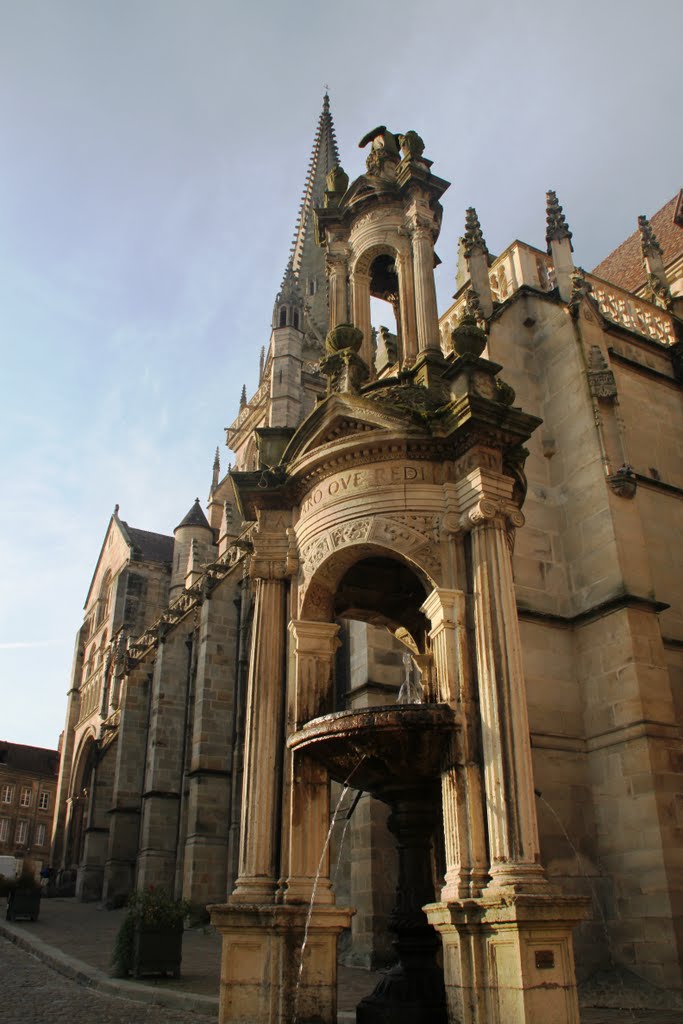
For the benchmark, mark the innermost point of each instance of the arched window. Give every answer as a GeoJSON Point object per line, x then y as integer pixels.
{"type": "Point", "coordinates": [296, 320]}
{"type": "Point", "coordinates": [283, 316]}
{"type": "Point", "coordinates": [103, 599]}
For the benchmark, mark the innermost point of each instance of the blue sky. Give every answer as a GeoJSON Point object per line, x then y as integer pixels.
{"type": "Point", "coordinates": [152, 156]}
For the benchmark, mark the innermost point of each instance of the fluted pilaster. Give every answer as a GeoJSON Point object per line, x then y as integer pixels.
{"type": "Point", "coordinates": [508, 778]}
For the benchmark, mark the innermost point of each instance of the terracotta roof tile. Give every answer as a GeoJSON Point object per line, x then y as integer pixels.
{"type": "Point", "coordinates": [624, 266]}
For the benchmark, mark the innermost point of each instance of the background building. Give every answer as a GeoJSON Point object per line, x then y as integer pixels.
{"type": "Point", "coordinates": [28, 786]}
{"type": "Point", "coordinates": [152, 774]}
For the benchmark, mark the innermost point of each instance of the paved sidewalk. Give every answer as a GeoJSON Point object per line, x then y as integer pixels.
{"type": "Point", "coordinates": [76, 939]}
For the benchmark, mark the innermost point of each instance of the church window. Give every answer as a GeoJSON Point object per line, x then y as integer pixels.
{"type": "Point", "coordinates": [311, 286]}
{"type": "Point", "coordinates": [4, 830]}
{"type": "Point", "coordinates": [103, 599]}
{"type": "Point", "coordinates": [283, 316]}
{"type": "Point", "coordinates": [25, 798]}
{"type": "Point", "coordinates": [21, 834]}
{"type": "Point", "coordinates": [7, 794]}
{"type": "Point", "coordinates": [40, 835]}
{"type": "Point", "coordinates": [296, 319]}
{"type": "Point", "coordinates": [44, 801]}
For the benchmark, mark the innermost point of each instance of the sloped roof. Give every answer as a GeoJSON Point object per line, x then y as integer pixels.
{"type": "Point", "coordinates": [624, 266]}
{"type": "Point", "coordinates": [22, 758]}
{"type": "Point", "coordinates": [152, 547]}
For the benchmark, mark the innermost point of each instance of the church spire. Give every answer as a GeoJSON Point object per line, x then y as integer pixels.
{"type": "Point", "coordinates": [304, 283]}
{"type": "Point", "coordinates": [324, 157]}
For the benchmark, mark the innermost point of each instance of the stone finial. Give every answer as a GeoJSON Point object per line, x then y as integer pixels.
{"type": "Point", "coordinates": [473, 239]}
{"type": "Point", "coordinates": [243, 397]}
{"type": "Point", "coordinates": [261, 363]}
{"type": "Point", "coordinates": [468, 337]}
{"type": "Point", "coordinates": [648, 240]}
{"type": "Point", "coordinates": [116, 510]}
{"type": "Point", "coordinates": [557, 228]}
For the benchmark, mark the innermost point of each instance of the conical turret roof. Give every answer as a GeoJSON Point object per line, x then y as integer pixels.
{"type": "Point", "coordinates": [195, 517]}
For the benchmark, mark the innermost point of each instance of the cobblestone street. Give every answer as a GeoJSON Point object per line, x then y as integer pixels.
{"type": "Point", "coordinates": [78, 939]}
{"type": "Point", "coordinates": [32, 993]}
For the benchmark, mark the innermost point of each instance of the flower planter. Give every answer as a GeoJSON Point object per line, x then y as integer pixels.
{"type": "Point", "coordinates": [156, 950]}
{"type": "Point", "coordinates": [23, 903]}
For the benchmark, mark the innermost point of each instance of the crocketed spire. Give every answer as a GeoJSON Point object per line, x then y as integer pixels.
{"type": "Point", "coordinates": [304, 283]}
{"type": "Point", "coordinates": [473, 239]}
{"type": "Point", "coordinates": [556, 228]}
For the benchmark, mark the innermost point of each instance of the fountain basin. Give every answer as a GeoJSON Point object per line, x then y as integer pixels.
{"type": "Point", "coordinates": [378, 749]}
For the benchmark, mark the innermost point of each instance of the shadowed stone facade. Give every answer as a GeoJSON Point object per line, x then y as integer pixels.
{"type": "Point", "coordinates": [374, 511]}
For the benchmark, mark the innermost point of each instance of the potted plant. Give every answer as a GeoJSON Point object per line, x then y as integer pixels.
{"type": "Point", "coordinates": [23, 895]}
{"type": "Point", "coordinates": [150, 939]}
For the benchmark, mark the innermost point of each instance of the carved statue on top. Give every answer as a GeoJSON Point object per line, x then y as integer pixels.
{"type": "Point", "coordinates": [385, 147]}
{"type": "Point", "coordinates": [412, 145]}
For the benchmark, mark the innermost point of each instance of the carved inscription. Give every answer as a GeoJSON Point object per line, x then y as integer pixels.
{"type": "Point", "coordinates": [365, 479]}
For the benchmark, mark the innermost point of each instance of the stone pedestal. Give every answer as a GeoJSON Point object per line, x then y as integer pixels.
{"type": "Point", "coordinates": [510, 960]}
{"type": "Point", "coordinates": [262, 979]}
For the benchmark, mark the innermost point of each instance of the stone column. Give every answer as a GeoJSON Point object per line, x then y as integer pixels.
{"type": "Point", "coordinates": [427, 316]}
{"type": "Point", "coordinates": [461, 782]}
{"type": "Point", "coordinates": [272, 564]}
{"type": "Point", "coordinates": [360, 309]}
{"type": "Point", "coordinates": [512, 828]}
{"type": "Point", "coordinates": [257, 881]}
{"type": "Point", "coordinates": [307, 785]}
{"type": "Point", "coordinates": [406, 293]}
{"type": "Point", "coordinates": [338, 288]}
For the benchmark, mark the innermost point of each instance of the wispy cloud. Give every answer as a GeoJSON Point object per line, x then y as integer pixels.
{"type": "Point", "coordinates": [29, 643]}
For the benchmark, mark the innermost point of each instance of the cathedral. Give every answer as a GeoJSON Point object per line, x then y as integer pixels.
{"type": "Point", "coordinates": [426, 634]}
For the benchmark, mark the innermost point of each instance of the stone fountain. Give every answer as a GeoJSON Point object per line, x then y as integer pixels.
{"type": "Point", "coordinates": [395, 753]}
{"type": "Point", "coordinates": [394, 502]}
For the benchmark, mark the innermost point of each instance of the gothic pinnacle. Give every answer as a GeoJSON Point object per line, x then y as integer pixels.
{"type": "Point", "coordinates": [473, 239]}
{"type": "Point", "coordinates": [216, 470]}
{"type": "Point", "coordinates": [243, 396]}
{"type": "Point", "coordinates": [648, 240]}
{"type": "Point", "coordinates": [556, 228]}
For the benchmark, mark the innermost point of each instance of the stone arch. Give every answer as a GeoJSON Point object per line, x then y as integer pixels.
{"type": "Point", "coordinates": [80, 795]}
{"type": "Point", "coordinates": [382, 268]}
{"type": "Point", "coordinates": [331, 554]}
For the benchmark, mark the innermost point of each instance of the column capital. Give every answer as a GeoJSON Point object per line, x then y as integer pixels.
{"type": "Point", "coordinates": [444, 607]}
{"type": "Point", "coordinates": [313, 637]}
{"type": "Point", "coordinates": [487, 510]}
{"type": "Point", "coordinates": [275, 555]}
